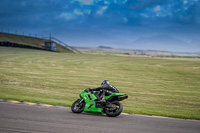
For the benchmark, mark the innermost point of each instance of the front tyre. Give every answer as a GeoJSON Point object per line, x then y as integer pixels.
{"type": "Point", "coordinates": [78, 106]}
{"type": "Point", "coordinates": [115, 110]}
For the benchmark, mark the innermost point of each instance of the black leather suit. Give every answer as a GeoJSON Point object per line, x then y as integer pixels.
{"type": "Point", "coordinates": [108, 90]}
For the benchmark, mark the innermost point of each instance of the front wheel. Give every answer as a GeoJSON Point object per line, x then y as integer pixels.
{"type": "Point", "coordinates": [78, 106]}
{"type": "Point", "coordinates": [115, 110]}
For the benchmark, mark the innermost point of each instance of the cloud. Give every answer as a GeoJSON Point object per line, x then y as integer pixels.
{"type": "Point", "coordinates": [84, 2]}
{"type": "Point", "coordinates": [87, 11]}
{"type": "Point", "coordinates": [157, 8]}
{"type": "Point", "coordinates": [73, 15]}
{"type": "Point", "coordinates": [78, 12]}
{"type": "Point", "coordinates": [102, 10]}
{"type": "Point", "coordinates": [67, 16]}
{"type": "Point", "coordinates": [185, 1]}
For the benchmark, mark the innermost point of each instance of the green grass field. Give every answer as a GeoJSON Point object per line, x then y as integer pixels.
{"type": "Point", "coordinates": [156, 86]}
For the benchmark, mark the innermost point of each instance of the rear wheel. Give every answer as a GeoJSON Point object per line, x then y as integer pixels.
{"type": "Point", "coordinates": [115, 110]}
{"type": "Point", "coordinates": [78, 106]}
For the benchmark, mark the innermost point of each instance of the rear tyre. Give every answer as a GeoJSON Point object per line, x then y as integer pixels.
{"type": "Point", "coordinates": [116, 110]}
{"type": "Point", "coordinates": [78, 106]}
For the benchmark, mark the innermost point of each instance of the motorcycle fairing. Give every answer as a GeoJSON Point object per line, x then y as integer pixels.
{"type": "Point", "coordinates": [116, 96]}
{"type": "Point", "coordinates": [90, 103]}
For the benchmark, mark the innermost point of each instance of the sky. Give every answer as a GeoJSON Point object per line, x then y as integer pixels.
{"type": "Point", "coordinates": [167, 25]}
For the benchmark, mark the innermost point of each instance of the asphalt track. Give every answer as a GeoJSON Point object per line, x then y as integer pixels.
{"type": "Point", "coordinates": [22, 118]}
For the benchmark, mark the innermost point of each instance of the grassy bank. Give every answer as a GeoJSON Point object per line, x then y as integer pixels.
{"type": "Point", "coordinates": [30, 41]}
{"type": "Point", "coordinates": [156, 86]}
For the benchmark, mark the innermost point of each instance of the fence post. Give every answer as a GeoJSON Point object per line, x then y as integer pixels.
{"type": "Point", "coordinates": [49, 36]}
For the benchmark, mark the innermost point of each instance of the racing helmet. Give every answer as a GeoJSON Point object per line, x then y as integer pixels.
{"type": "Point", "coordinates": [105, 83]}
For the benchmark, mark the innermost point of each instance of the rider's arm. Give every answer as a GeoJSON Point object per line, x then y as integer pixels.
{"type": "Point", "coordinates": [113, 89]}
{"type": "Point", "coordinates": [95, 89]}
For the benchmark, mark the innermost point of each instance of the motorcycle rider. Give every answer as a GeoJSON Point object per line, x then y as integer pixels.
{"type": "Point", "coordinates": [105, 89]}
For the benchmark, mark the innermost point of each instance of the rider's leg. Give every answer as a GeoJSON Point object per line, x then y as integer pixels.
{"type": "Point", "coordinates": [102, 96]}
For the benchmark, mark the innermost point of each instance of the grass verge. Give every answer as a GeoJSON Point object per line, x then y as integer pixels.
{"type": "Point", "coordinates": [156, 86]}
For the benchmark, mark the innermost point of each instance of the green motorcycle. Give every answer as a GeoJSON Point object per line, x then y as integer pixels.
{"type": "Point", "coordinates": [88, 102]}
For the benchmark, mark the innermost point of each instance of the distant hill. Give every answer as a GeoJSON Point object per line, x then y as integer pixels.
{"type": "Point", "coordinates": [29, 41]}
{"type": "Point", "coordinates": [105, 47]}
{"type": "Point", "coordinates": [165, 42]}
{"type": "Point", "coordinates": [136, 52]}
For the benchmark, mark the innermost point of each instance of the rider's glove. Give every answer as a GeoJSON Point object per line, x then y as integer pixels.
{"type": "Point", "coordinates": [88, 90]}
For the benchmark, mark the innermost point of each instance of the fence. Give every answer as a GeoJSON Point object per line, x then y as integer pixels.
{"type": "Point", "coordinates": [50, 38]}
{"type": "Point", "coordinates": [23, 33]}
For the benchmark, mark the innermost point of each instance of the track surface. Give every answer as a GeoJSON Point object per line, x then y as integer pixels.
{"type": "Point", "coordinates": [21, 118]}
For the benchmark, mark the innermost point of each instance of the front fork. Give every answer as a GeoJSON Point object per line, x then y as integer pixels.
{"type": "Point", "coordinates": [80, 101]}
